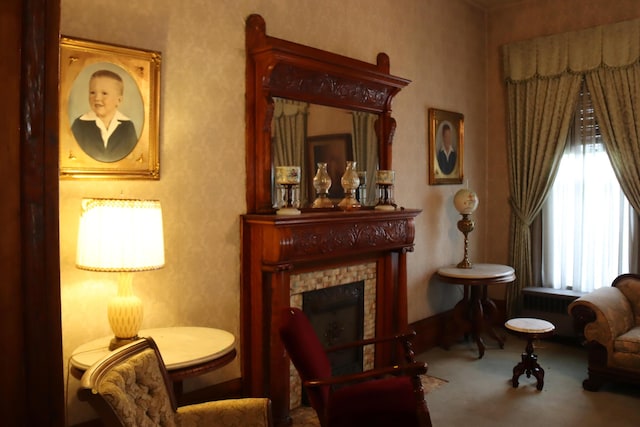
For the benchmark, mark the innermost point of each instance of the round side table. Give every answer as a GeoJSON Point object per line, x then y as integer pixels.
{"type": "Point", "coordinates": [531, 329]}
{"type": "Point", "coordinates": [476, 312]}
{"type": "Point", "coordinates": [187, 351]}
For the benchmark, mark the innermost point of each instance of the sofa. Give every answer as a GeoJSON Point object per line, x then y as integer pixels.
{"type": "Point", "coordinates": [609, 320]}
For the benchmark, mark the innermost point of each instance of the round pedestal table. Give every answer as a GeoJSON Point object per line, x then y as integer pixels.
{"type": "Point", "coordinates": [476, 313]}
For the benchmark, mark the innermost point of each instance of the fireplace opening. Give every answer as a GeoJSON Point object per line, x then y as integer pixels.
{"type": "Point", "coordinates": [337, 316]}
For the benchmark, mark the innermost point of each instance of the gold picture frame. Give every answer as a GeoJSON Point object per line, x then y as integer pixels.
{"type": "Point", "coordinates": [445, 128]}
{"type": "Point", "coordinates": [132, 151]}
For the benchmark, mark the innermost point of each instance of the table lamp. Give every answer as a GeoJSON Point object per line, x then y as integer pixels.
{"type": "Point", "coordinates": [121, 236]}
{"type": "Point", "coordinates": [466, 202]}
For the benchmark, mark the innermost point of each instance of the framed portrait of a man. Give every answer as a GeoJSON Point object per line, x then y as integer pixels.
{"type": "Point", "coordinates": [109, 111]}
{"type": "Point", "coordinates": [446, 147]}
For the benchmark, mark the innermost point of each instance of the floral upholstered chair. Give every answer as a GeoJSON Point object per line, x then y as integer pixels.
{"type": "Point", "coordinates": [131, 388]}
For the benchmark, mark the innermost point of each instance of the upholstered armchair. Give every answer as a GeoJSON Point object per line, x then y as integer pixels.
{"type": "Point", "coordinates": [609, 319]}
{"type": "Point", "coordinates": [385, 396]}
{"type": "Point", "coordinates": [131, 388]}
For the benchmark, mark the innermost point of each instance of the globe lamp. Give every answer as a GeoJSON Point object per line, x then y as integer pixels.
{"type": "Point", "coordinates": [465, 202]}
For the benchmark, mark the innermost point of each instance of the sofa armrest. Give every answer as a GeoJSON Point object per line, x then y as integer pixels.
{"type": "Point", "coordinates": [605, 312]}
{"type": "Point", "coordinates": [249, 412]}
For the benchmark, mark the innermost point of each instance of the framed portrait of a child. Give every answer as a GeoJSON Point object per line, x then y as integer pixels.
{"type": "Point", "coordinates": [446, 147]}
{"type": "Point", "coordinates": [109, 111]}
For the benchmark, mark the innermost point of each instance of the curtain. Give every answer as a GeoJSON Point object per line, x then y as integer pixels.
{"type": "Point", "coordinates": [586, 215]}
{"type": "Point", "coordinates": [365, 145]}
{"type": "Point", "coordinates": [540, 112]}
{"type": "Point", "coordinates": [616, 100]}
{"type": "Point", "coordinates": [288, 134]}
{"type": "Point", "coordinates": [543, 77]}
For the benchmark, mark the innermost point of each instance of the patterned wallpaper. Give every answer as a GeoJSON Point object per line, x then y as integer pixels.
{"type": "Point", "coordinates": [438, 44]}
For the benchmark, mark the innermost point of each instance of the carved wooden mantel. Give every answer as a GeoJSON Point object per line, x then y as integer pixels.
{"type": "Point", "coordinates": [276, 247]}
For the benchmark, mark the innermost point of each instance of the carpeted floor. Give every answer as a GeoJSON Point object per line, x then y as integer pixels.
{"type": "Point", "coordinates": [479, 391]}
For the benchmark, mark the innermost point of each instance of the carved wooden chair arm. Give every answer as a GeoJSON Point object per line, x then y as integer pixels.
{"type": "Point", "coordinates": [417, 368]}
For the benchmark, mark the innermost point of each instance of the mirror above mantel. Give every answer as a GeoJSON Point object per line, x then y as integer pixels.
{"type": "Point", "coordinates": [282, 70]}
{"type": "Point", "coordinates": [305, 134]}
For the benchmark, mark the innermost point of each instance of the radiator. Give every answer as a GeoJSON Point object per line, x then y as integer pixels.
{"type": "Point", "coordinates": [551, 305]}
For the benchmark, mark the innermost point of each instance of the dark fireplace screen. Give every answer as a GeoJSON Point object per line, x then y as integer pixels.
{"type": "Point", "coordinates": [337, 316]}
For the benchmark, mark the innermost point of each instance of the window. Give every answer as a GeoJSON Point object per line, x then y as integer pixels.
{"type": "Point", "coordinates": [586, 218]}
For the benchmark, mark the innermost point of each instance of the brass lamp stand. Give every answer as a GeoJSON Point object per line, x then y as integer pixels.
{"type": "Point", "coordinates": [465, 225]}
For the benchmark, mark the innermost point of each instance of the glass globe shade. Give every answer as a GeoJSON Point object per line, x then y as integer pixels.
{"type": "Point", "coordinates": [465, 201]}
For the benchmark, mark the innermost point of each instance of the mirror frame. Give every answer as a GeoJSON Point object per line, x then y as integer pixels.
{"type": "Point", "coordinates": [280, 68]}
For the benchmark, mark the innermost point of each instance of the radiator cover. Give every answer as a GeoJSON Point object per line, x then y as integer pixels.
{"type": "Point", "coordinates": [551, 305]}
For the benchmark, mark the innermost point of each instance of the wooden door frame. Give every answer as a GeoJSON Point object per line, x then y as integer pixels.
{"type": "Point", "coordinates": [32, 369]}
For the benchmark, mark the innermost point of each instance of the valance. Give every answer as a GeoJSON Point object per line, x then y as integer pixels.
{"type": "Point", "coordinates": [615, 45]}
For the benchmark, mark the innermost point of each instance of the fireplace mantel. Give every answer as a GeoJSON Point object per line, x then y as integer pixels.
{"type": "Point", "coordinates": [274, 247]}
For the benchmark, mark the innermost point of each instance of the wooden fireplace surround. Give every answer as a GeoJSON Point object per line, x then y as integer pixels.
{"type": "Point", "coordinates": [275, 247]}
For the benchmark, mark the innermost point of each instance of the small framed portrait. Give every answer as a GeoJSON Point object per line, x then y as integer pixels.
{"type": "Point", "coordinates": [109, 111]}
{"type": "Point", "coordinates": [446, 147]}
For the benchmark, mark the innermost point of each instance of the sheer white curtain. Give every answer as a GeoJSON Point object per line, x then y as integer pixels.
{"type": "Point", "coordinates": [586, 217]}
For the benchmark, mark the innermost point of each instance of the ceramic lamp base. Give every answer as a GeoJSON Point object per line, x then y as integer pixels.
{"type": "Point", "coordinates": [125, 310]}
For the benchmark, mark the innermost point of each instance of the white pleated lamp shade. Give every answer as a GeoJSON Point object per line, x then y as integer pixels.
{"type": "Point", "coordinates": [120, 235]}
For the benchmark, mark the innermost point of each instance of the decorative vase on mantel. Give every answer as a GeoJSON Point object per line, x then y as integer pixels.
{"type": "Point", "coordinates": [350, 182]}
{"type": "Point", "coordinates": [322, 183]}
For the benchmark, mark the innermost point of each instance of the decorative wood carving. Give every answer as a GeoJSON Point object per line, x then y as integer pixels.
{"type": "Point", "coordinates": [293, 82]}
{"type": "Point", "coordinates": [349, 237]}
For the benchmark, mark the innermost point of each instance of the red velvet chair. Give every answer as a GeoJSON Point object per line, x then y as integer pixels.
{"type": "Point", "coordinates": [390, 396]}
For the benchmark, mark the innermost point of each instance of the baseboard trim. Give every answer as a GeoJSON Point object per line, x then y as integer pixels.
{"type": "Point", "coordinates": [431, 331]}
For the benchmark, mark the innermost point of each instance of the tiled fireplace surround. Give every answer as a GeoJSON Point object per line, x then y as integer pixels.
{"type": "Point", "coordinates": [323, 279]}
{"type": "Point", "coordinates": [282, 256]}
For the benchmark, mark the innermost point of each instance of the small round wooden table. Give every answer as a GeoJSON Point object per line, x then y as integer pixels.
{"type": "Point", "coordinates": [476, 312]}
{"type": "Point", "coordinates": [187, 351]}
{"type": "Point", "coordinates": [531, 329]}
